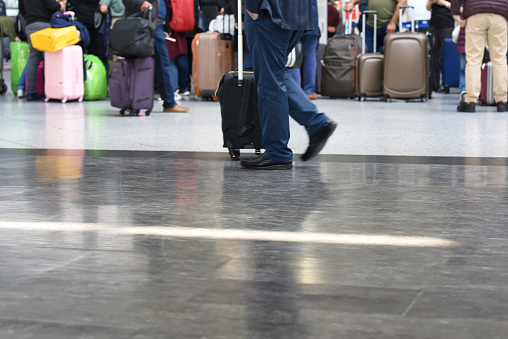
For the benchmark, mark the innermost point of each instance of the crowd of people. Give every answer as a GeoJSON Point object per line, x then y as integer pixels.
{"type": "Point", "coordinates": [174, 59]}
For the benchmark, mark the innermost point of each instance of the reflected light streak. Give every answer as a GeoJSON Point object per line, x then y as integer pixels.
{"type": "Point", "coordinates": [234, 234]}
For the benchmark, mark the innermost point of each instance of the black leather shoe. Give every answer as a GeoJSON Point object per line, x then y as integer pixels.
{"type": "Point", "coordinates": [318, 140]}
{"type": "Point", "coordinates": [466, 107]}
{"type": "Point", "coordinates": [265, 163]}
{"type": "Point", "coordinates": [501, 107]}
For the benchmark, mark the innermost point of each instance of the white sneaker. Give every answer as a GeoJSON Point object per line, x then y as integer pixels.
{"type": "Point", "coordinates": [21, 93]}
{"type": "Point", "coordinates": [186, 93]}
{"type": "Point", "coordinates": [178, 97]}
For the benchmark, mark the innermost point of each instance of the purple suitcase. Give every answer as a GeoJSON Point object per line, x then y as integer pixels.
{"type": "Point", "coordinates": [132, 85]}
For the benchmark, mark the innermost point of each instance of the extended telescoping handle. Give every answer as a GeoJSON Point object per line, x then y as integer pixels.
{"type": "Point", "coordinates": [348, 29]}
{"type": "Point", "coordinates": [412, 18]}
{"type": "Point", "coordinates": [364, 14]}
{"type": "Point", "coordinates": [240, 44]}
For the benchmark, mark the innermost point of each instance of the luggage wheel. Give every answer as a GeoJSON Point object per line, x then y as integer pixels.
{"type": "Point", "coordinates": [64, 100]}
{"type": "Point", "coordinates": [148, 112]}
{"type": "Point", "coordinates": [122, 111]}
{"type": "Point", "coordinates": [234, 153]}
{"type": "Point", "coordinates": [3, 88]}
{"type": "Point", "coordinates": [134, 112]}
{"type": "Point", "coordinates": [386, 98]}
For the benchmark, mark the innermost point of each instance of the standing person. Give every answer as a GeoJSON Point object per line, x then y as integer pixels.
{"type": "Point", "coordinates": [161, 56]}
{"type": "Point", "coordinates": [85, 13]}
{"type": "Point", "coordinates": [485, 21]}
{"type": "Point", "coordinates": [387, 20]}
{"type": "Point", "coordinates": [38, 17]}
{"type": "Point", "coordinates": [310, 40]}
{"type": "Point", "coordinates": [441, 26]}
{"type": "Point", "coordinates": [461, 51]}
{"type": "Point", "coordinates": [273, 27]}
{"type": "Point", "coordinates": [333, 20]}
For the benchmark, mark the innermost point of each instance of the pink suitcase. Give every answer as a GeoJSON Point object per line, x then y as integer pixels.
{"type": "Point", "coordinates": [63, 74]}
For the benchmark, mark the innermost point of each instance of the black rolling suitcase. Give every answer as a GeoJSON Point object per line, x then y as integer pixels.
{"type": "Point", "coordinates": [238, 98]}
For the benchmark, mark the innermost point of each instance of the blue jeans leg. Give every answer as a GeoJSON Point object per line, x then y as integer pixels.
{"type": "Point", "coordinates": [163, 68]}
{"type": "Point", "coordinates": [296, 75]}
{"type": "Point", "coordinates": [462, 72]}
{"type": "Point", "coordinates": [280, 96]}
{"type": "Point", "coordinates": [183, 72]}
{"type": "Point", "coordinates": [22, 79]}
{"type": "Point", "coordinates": [309, 47]}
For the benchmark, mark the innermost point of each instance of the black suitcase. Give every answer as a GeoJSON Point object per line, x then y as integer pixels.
{"type": "Point", "coordinates": [239, 110]}
{"type": "Point", "coordinates": [238, 98]}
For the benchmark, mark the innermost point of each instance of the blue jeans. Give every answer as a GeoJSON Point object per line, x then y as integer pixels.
{"type": "Point", "coordinates": [182, 64]}
{"type": "Point", "coordinates": [309, 47]}
{"type": "Point", "coordinates": [462, 72]}
{"type": "Point", "coordinates": [22, 79]}
{"type": "Point", "coordinates": [163, 68]}
{"type": "Point", "coordinates": [380, 38]}
{"type": "Point", "coordinates": [279, 95]}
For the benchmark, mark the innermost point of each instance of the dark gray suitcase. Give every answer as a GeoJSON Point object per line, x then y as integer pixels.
{"type": "Point", "coordinates": [369, 67]}
{"type": "Point", "coordinates": [406, 69]}
{"type": "Point", "coordinates": [338, 78]}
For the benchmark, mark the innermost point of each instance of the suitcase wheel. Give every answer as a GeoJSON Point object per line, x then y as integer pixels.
{"type": "Point", "coordinates": [423, 97]}
{"type": "Point", "coordinates": [234, 153]}
{"type": "Point", "coordinates": [148, 112]}
{"type": "Point", "coordinates": [3, 88]}
{"type": "Point", "coordinates": [64, 100]}
{"type": "Point", "coordinates": [447, 89]}
{"type": "Point", "coordinates": [386, 97]}
{"type": "Point", "coordinates": [46, 99]}
{"type": "Point", "coordinates": [122, 111]}
{"type": "Point", "coordinates": [80, 99]}
{"type": "Point", "coordinates": [134, 112]}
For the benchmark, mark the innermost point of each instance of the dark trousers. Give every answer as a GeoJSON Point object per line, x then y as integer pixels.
{"type": "Point", "coordinates": [279, 95]}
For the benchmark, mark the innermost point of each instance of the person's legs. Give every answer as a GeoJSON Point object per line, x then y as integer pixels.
{"type": "Point", "coordinates": [497, 36]}
{"type": "Point", "coordinates": [21, 84]}
{"type": "Point", "coordinates": [462, 73]}
{"type": "Point", "coordinates": [309, 47]}
{"type": "Point", "coordinates": [97, 47]}
{"type": "Point", "coordinates": [296, 75]}
{"type": "Point", "coordinates": [34, 58]}
{"type": "Point", "coordinates": [173, 75]}
{"type": "Point", "coordinates": [369, 38]}
{"type": "Point", "coordinates": [475, 45]}
{"type": "Point", "coordinates": [301, 109]}
{"type": "Point", "coordinates": [183, 73]}
{"type": "Point", "coordinates": [162, 69]}
{"type": "Point", "coordinates": [269, 45]}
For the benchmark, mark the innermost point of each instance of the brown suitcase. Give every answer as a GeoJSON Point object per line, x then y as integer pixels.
{"type": "Point", "coordinates": [212, 58]}
{"type": "Point", "coordinates": [369, 67]}
{"type": "Point", "coordinates": [406, 69]}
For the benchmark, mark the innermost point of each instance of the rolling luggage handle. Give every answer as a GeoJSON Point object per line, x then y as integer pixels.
{"type": "Point", "coordinates": [374, 48]}
{"type": "Point", "coordinates": [412, 18]}
{"type": "Point", "coordinates": [348, 28]}
{"type": "Point", "coordinates": [240, 44]}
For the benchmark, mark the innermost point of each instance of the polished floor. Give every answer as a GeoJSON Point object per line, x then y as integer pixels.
{"type": "Point", "coordinates": [142, 227]}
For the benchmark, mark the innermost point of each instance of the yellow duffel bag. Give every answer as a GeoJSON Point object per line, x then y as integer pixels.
{"type": "Point", "coordinates": [54, 39]}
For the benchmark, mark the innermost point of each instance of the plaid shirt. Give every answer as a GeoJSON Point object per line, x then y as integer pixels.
{"type": "Point", "coordinates": [288, 14]}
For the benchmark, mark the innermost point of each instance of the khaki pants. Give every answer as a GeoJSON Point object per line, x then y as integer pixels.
{"type": "Point", "coordinates": [493, 29]}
